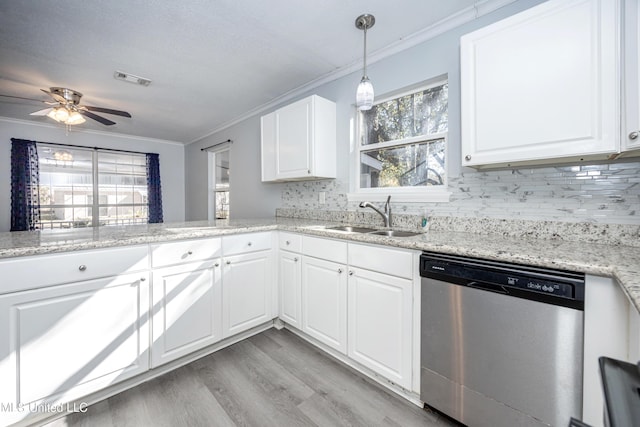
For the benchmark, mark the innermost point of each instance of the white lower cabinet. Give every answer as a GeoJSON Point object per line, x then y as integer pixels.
{"type": "Point", "coordinates": [290, 279]}
{"type": "Point", "coordinates": [187, 310]}
{"type": "Point", "coordinates": [246, 291]}
{"type": "Point", "coordinates": [63, 342]}
{"type": "Point", "coordinates": [324, 302]}
{"type": "Point", "coordinates": [380, 324]}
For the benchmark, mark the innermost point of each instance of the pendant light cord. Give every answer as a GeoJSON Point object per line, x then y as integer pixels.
{"type": "Point", "coordinates": [365, 50]}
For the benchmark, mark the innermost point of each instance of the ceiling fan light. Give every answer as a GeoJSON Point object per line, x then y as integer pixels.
{"type": "Point", "coordinates": [75, 118]}
{"type": "Point", "coordinates": [364, 94]}
{"type": "Point", "coordinates": [59, 114]}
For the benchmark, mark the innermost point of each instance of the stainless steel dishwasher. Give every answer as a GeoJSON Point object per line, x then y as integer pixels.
{"type": "Point", "coordinates": [501, 344]}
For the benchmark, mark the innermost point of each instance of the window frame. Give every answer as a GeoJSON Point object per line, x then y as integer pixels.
{"type": "Point", "coordinates": [95, 206]}
{"type": "Point", "coordinates": [438, 193]}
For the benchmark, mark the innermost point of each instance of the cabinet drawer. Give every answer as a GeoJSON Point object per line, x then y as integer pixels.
{"type": "Point", "coordinates": [243, 243]}
{"type": "Point", "coordinates": [290, 242]}
{"type": "Point", "coordinates": [332, 250]}
{"type": "Point", "coordinates": [164, 254]}
{"type": "Point", "coordinates": [52, 269]}
{"type": "Point", "coordinates": [384, 260]}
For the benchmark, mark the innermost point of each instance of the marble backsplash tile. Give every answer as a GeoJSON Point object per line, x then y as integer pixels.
{"type": "Point", "coordinates": [592, 203]}
{"type": "Point", "coordinates": [606, 193]}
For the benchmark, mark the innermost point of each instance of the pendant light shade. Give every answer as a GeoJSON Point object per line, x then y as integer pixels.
{"type": "Point", "coordinates": [364, 93]}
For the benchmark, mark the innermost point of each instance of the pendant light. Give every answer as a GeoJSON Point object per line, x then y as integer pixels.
{"type": "Point", "coordinates": [364, 93]}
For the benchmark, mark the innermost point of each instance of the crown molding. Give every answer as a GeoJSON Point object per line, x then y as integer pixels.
{"type": "Point", "coordinates": [468, 14]}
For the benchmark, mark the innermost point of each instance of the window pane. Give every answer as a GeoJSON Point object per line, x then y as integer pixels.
{"type": "Point", "coordinates": [122, 180]}
{"type": "Point", "coordinates": [404, 166]}
{"type": "Point", "coordinates": [420, 113]}
{"type": "Point", "coordinates": [66, 186]}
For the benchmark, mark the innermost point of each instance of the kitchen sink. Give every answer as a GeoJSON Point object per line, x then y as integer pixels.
{"type": "Point", "coordinates": [394, 233]}
{"type": "Point", "coordinates": [351, 229]}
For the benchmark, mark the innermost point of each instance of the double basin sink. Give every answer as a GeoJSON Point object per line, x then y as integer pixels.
{"type": "Point", "coordinates": [372, 231]}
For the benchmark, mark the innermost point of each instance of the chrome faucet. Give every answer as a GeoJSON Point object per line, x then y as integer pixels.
{"type": "Point", "coordinates": [386, 215]}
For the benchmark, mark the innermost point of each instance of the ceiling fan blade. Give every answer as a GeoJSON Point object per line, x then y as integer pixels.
{"type": "Point", "coordinates": [55, 96]}
{"type": "Point", "coordinates": [97, 118]}
{"type": "Point", "coordinates": [41, 112]}
{"type": "Point", "coordinates": [29, 99]}
{"type": "Point", "coordinates": [107, 111]}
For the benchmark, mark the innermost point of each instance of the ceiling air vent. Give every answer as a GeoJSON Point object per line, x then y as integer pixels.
{"type": "Point", "coordinates": [119, 75]}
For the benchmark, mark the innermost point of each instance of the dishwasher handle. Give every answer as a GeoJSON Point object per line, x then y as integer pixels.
{"type": "Point", "coordinates": [488, 287]}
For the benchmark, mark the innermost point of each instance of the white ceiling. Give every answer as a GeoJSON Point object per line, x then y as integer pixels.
{"type": "Point", "coordinates": [210, 61]}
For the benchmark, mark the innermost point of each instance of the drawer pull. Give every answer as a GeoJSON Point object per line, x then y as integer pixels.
{"type": "Point", "coordinates": [288, 242]}
{"type": "Point", "coordinates": [249, 244]}
{"type": "Point", "coordinates": [217, 264]}
{"type": "Point", "coordinates": [295, 259]}
{"type": "Point", "coordinates": [350, 273]}
{"type": "Point", "coordinates": [228, 262]}
{"type": "Point", "coordinates": [339, 271]}
{"type": "Point", "coordinates": [142, 279]}
{"type": "Point", "coordinates": [633, 135]}
{"type": "Point", "coordinates": [82, 267]}
{"type": "Point", "coordinates": [190, 253]}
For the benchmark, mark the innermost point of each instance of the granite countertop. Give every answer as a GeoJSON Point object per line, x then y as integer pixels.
{"type": "Point", "coordinates": [617, 261]}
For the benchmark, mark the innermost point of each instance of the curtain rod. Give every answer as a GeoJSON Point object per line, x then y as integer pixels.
{"type": "Point", "coordinates": [93, 148]}
{"type": "Point", "coordinates": [215, 145]}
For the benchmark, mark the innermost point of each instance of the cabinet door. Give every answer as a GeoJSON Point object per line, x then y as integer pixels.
{"type": "Point", "coordinates": [268, 145]}
{"type": "Point", "coordinates": [187, 305]}
{"type": "Point", "coordinates": [535, 88]}
{"type": "Point", "coordinates": [631, 89]}
{"type": "Point", "coordinates": [247, 283]}
{"type": "Point", "coordinates": [324, 302]}
{"type": "Point", "coordinates": [380, 324]}
{"type": "Point", "coordinates": [64, 342]}
{"type": "Point", "coordinates": [290, 276]}
{"type": "Point", "coordinates": [294, 141]}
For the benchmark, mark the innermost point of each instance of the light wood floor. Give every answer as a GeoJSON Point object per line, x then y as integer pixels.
{"type": "Point", "coordinates": [272, 379]}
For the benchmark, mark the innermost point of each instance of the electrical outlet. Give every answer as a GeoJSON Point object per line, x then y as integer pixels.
{"type": "Point", "coordinates": [322, 197]}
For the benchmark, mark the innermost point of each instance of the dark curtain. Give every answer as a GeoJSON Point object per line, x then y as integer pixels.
{"type": "Point", "coordinates": [25, 184]}
{"type": "Point", "coordinates": [154, 188]}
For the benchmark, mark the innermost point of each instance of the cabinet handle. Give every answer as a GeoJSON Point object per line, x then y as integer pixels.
{"type": "Point", "coordinates": [228, 262]}
{"type": "Point", "coordinates": [350, 273]}
{"type": "Point", "coordinates": [288, 242]}
{"type": "Point", "coordinates": [467, 157]}
{"type": "Point", "coordinates": [82, 267]}
{"type": "Point", "coordinates": [142, 279]}
{"type": "Point", "coordinates": [339, 271]}
{"type": "Point", "coordinates": [633, 135]}
{"type": "Point", "coordinates": [217, 264]}
{"type": "Point", "coordinates": [249, 244]}
{"type": "Point", "coordinates": [295, 259]}
{"type": "Point", "coordinates": [190, 253]}
{"type": "Point", "coordinates": [309, 171]}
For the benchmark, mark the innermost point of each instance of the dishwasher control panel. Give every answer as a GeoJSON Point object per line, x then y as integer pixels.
{"type": "Point", "coordinates": [545, 285]}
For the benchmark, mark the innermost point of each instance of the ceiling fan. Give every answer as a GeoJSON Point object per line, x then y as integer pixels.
{"type": "Point", "coordinates": [65, 108]}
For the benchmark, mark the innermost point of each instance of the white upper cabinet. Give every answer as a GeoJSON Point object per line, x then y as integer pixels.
{"type": "Point", "coordinates": [298, 141]}
{"type": "Point", "coordinates": [542, 85]}
{"type": "Point", "coordinates": [631, 90]}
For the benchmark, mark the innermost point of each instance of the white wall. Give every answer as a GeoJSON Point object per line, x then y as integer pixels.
{"type": "Point", "coordinates": [171, 160]}
{"type": "Point", "coordinates": [250, 198]}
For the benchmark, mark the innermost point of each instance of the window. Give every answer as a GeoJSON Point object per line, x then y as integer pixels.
{"type": "Point", "coordinates": [222, 184]}
{"type": "Point", "coordinates": [82, 187]}
{"type": "Point", "coordinates": [402, 146]}
{"type": "Point", "coordinates": [219, 188]}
